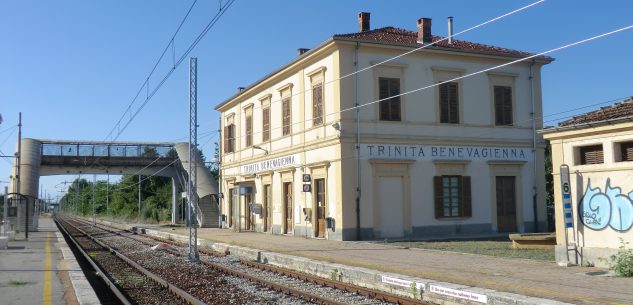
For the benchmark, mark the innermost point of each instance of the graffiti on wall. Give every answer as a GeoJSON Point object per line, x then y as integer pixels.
{"type": "Point", "coordinates": [609, 208]}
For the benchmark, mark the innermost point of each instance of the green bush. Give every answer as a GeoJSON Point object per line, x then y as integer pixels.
{"type": "Point", "coordinates": [622, 262]}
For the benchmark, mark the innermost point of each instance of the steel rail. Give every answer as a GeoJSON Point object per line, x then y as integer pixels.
{"type": "Point", "coordinates": [173, 242]}
{"type": "Point", "coordinates": [117, 292]}
{"type": "Point", "coordinates": [310, 297]}
{"type": "Point", "coordinates": [314, 298]}
{"type": "Point", "coordinates": [383, 296]}
{"type": "Point", "coordinates": [190, 299]}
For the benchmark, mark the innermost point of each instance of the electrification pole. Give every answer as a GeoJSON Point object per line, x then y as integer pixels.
{"type": "Point", "coordinates": [77, 192]}
{"type": "Point", "coordinates": [108, 194]}
{"type": "Point", "coordinates": [139, 197]}
{"type": "Point", "coordinates": [193, 166]}
{"type": "Point", "coordinates": [94, 215]}
{"type": "Point", "coordinates": [19, 160]}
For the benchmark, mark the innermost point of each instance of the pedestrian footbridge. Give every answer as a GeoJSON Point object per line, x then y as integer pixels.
{"type": "Point", "coordinates": [50, 157]}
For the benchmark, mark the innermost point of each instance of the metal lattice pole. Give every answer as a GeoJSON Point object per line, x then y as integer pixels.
{"type": "Point", "coordinates": [94, 211]}
{"type": "Point", "coordinates": [193, 146]}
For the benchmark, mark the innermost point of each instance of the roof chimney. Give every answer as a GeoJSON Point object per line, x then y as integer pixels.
{"type": "Point", "coordinates": [240, 89]}
{"type": "Point", "coordinates": [363, 21]}
{"type": "Point", "coordinates": [424, 30]}
{"type": "Point", "coordinates": [300, 51]}
{"type": "Point", "coordinates": [450, 29]}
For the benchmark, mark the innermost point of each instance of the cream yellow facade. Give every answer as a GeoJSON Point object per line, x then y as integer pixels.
{"type": "Point", "coordinates": [601, 194]}
{"type": "Point", "coordinates": [388, 181]}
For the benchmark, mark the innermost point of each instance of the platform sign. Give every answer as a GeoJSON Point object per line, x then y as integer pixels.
{"type": "Point", "coordinates": [568, 211]}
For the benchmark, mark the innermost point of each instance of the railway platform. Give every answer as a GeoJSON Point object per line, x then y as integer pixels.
{"type": "Point", "coordinates": [483, 279]}
{"type": "Point", "coordinates": [42, 270]}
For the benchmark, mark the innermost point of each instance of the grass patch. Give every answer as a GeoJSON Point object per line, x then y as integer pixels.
{"type": "Point", "coordinates": [13, 282]}
{"type": "Point", "coordinates": [492, 248]}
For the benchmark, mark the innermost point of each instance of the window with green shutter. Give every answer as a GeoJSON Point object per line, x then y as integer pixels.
{"type": "Point", "coordinates": [266, 124]}
{"type": "Point", "coordinates": [317, 104]}
{"type": "Point", "coordinates": [452, 196]}
{"type": "Point", "coordinates": [286, 116]}
{"type": "Point", "coordinates": [389, 91]}
{"type": "Point", "coordinates": [503, 105]}
{"type": "Point", "coordinates": [449, 103]}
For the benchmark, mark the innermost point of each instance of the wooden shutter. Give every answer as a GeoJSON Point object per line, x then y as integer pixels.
{"type": "Point", "coordinates": [443, 103]}
{"type": "Point", "coordinates": [507, 106]}
{"type": "Point", "coordinates": [503, 105]}
{"type": "Point", "coordinates": [266, 124]}
{"type": "Point", "coordinates": [438, 190]}
{"type": "Point", "coordinates": [394, 102]}
{"type": "Point", "coordinates": [449, 103]}
{"type": "Point", "coordinates": [286, 116]}
{"type": "Point", "coordinates": [591, 154]}
{"type": "Point", "coordinates": [249, 130]}
{"type": "Point", "coordinates": [232, 138]}
{"type": "Point", "coordinates": [453, 103]}
{"type": "Point", "coordinates": [317, 104]}
{"type": "Point", "coordinates": [389, 107]}
{"type": "Point", "coordinates": [226, 139]}
{"type": "Point", "coordinates": [383, 93]}
{"type": "Point", "coordinates": [466, 202]}
{"type": "Point", "coordinates": [627, 151]}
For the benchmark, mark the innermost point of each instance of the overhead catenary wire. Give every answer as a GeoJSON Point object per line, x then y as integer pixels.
{"type": "Point", "coordinates": [8, 128]}
{"type": "Point", "coordinates": [424, 46]}
{"type": "Point", "coordinates": [120, 128]}
{"type": "Point", "coordinates": [160, 58]}
{"type": "Point", "coordinates": [579, 42]}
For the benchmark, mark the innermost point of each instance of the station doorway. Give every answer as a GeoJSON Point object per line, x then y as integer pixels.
{"type": "Point", "coordinates": [287, 207]}
{"type": "Point", "coordinates": [506, 203]}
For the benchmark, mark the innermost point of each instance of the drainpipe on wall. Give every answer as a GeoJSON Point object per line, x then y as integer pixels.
{"type": "Point", "coordinates": [534, 206]}
{"type": "Point", "coordinates": [219, 163]}
{"type": "Point", "coordinates": [358, 173]}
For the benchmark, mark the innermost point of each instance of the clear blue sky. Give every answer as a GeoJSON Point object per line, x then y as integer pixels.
{"type": "Point", "coordinates": [71, 67]}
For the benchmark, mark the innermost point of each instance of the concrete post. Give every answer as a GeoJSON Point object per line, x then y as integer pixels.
{"type": "Point", "coordinates": [174, 201]}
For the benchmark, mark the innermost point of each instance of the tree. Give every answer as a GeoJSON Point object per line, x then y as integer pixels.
{"type": "Point", "coordinates": [549, 186]}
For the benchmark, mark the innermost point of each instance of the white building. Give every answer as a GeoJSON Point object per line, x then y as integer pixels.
{"type": "Point", "coordinates": [461, 158]}
{"type": "Point", "coordinates": [597, 147]}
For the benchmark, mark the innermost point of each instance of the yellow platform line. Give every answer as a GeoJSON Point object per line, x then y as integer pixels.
{"type": "Point", "coordinates": [46, 293]}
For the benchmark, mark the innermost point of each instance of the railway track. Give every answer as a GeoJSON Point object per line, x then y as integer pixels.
{"type": "Point", "coordinates": [246, 282]}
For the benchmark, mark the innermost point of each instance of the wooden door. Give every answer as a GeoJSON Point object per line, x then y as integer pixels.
{"type": "Point", "coordinates": [248, 221]}
{"type": "Point", "coordinates": [506, 204]}
{"type": "Point", "coordinates": [266, 207]}
{"type": "Point", "coordinates": [287, 207]}
{"type": "Point", "coordinates": [319, 189]}
{"type": "Point", "coordinates": [231, 202]}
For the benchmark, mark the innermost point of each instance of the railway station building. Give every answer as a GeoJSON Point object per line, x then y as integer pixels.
{"type": "Point", "coordinates": [597, 149]}
{"type": "Point", "coordinates": [431, 152]}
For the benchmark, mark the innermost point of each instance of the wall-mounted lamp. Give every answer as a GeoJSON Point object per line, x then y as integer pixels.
{"type": "Point", "coordinates": [261, 148]}
{"type": "Point", "coordinates": [336, 126]}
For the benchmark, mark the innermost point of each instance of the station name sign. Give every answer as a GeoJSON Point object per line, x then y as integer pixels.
{"type": "Point", "coordinates": [436, 152]}
{"type": "Point", "coordinates": [272, 164]}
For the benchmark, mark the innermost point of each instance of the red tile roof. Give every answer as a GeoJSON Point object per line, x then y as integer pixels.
{"type": "Point", "coordinates": [617, 111]}
{"type": "Point", "coordinates": [396, 36]}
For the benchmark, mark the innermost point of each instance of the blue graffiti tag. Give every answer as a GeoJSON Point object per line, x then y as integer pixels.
{"type": "Point", "coordinates": [598, 210]}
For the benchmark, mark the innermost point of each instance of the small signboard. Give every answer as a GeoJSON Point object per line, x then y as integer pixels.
{"type": "Point", "coordinates": [461, 294]}
{"type": "Point", "coordinates": [568, 211]}
{"type": "Point", "coordinates": [307, 178]}
{"type": "Point", "coordinates": [307, 188]}
{"type": "Point", "coordinates": [256, 208]}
